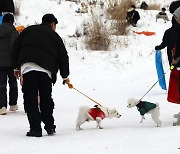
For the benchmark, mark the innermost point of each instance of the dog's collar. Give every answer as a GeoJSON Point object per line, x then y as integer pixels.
{"type": "Point", "coordinates": [140, 104]}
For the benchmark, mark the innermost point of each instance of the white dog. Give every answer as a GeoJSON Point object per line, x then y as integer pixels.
{"type": "Point", "coordinates": [98, 113]}
{"type": "Point", "coordinates": [146, 107]}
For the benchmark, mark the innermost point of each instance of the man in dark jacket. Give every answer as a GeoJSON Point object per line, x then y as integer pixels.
{"type": "Point", "coordinates": [132, 16]}
{"type": "Point", "coordinates": [39, 53]}
{"type": "Point", "coordinates": [176, 59]}
{"type": "Point", "coordinates": [169, 40]}
{"type": "Point", "coordinates": [8, 34]}
{"type": "Point", "coordinates": [7, 6]}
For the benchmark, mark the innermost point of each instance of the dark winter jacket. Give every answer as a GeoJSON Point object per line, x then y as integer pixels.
{"type": "Point", "coordinates": [8, 34]}
{"type": "Point", "coordinates": [144, 107]}
{"type": "Point", "coordinates": [43, 46]}
{"type": "Point", "coordinates": [177, 51]}
{"type": "Point", "coordinates": [6, 6]}
{"type": "Point", "coordinates": [169, 41]}
{"type": "Point", "coordinates": [132, 16]}
{"type": "Point", "coordinates": [143, 5]}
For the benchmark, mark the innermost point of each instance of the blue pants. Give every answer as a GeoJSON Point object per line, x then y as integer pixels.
{"type": "Point", "coordinates": [7, 74]}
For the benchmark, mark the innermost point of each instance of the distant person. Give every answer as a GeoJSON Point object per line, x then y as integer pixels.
{"type": "Point", "coordinates": [39, 53]}
{"type": "Point", "coordinates": [132, 16]}
{"type": "Point", "coordinates": [8, 34]}
{"type": "Point", "coordinates": [7, 6]}
{"type": "Point", "coordinates": [162, 15]}
{"type": "Point", "coordinates": [83, 9]}
{"type": "Point", "coordinates": [144, 5]}
{"type": "Point", "coordinates": [169, 39]}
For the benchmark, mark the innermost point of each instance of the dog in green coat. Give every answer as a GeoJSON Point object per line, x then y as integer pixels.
{"type": "Point", "coordinates": [145, 107]}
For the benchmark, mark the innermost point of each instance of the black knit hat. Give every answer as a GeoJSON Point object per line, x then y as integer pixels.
{"type": "Point", "coordinates": [173, 6]}
{"type": "Point", "coordinates": [49, 18]}
{"type": "Point", "coordinates": [163, 9]}
{"type": "Point", "coordinates": [8, 18]}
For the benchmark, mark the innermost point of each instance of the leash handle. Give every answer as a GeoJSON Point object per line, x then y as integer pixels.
{"type": "Point", "coordinates": [87, 97]}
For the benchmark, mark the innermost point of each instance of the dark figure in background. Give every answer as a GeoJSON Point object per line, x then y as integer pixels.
{"type": "Point", "coordinates": [144, 5]}
{"type": "Point", "coordinates": [39, 53]}
{"type": "Point", "coordinates": [8, 34]}
{"type": "Point", "coordinates": [169, 39]}
{"type": "Point", "coordinates": [132, 16]}
{"type": "Point", "coordinates": [7, 6]}
{"type": "Point", "coordinates": [162, 15]}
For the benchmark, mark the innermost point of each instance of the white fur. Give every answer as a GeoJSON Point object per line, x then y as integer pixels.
{"type": "Point", "coordinates": [84, 116]}
{"type": "Point", "coordinates": [132, 102]}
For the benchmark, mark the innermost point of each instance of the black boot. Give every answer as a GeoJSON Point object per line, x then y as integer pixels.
{"type": "Point", "coordinates": [32, 133]}
{"type": "Point", "coordinates": [51, 131]}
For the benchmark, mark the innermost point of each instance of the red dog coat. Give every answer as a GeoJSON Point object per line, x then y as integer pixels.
{"type": "Point", "coordinates": [96, 112]}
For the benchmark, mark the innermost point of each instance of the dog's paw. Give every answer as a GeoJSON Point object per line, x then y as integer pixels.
{"type": "Point", "coordinates": [100, 127]}
{"type": "Point", "coordinates": [78, 128]}
{"type": "Point", "coordinates": [158, 124]}
{"type": "Point", "coordinates": [142, 118]}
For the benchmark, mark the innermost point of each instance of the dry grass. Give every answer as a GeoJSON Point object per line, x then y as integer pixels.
{"type": "Point", "coordinates": [119, 27]}
{"type": "Point", "coordinates": [154, 7]}
{"type": "Point", "coordinates": [97, 36]}
{"type": "Point", "coordinates": [17, 6]}
{"type": "Point", "coordinates": [117, 11]}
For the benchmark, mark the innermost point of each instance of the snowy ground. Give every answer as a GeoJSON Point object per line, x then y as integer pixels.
{"type": "Point", "coordinates": [108, 77]}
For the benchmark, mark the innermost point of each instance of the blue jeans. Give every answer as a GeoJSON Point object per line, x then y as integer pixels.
{"type": "Point", "coordinates": [7, 74]}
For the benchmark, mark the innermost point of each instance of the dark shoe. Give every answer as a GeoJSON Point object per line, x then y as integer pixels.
{"type": "Point", "coordinates": [32, 133]}
{"type": "Point", "coordinates": [51, 131]}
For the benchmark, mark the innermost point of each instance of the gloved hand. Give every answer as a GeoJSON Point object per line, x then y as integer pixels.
{"type": "Point", "coordinates": [67, 81]}
{"type": "Point", "coordinates": [172, 67]}
{"type": "Point", "coordinates": [17, 73]}
{"type": "Point", "coordinates": [156, 47]}
{"type": "Point", "coordinates": [174, 63]}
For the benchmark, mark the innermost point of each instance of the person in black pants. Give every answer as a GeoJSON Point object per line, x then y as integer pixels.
{"type": "Point", "coordinates": [132, 16]}
{"type": "Point", "coordinates": [8, 34]}
{"type": "Point", "coordinates": [7, 6]}
{"type": "Point", "coordinates": [39, 53]}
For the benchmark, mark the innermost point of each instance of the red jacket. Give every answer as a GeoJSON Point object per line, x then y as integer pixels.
{"type": "Point", "coordinates": [96, 112]}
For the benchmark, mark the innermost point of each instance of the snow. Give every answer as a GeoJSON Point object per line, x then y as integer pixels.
{"type": "Point", "coordinates": [110, 78]}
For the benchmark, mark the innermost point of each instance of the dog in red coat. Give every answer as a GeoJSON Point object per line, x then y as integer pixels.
{"type": "Point", "coordinates": [98, 113]}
